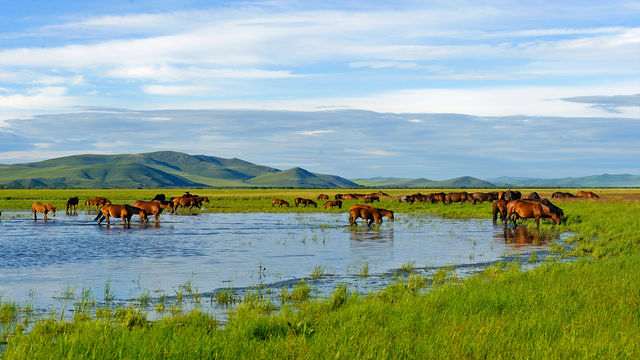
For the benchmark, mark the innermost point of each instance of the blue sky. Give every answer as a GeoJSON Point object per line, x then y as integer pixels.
{"type": "Point", "coordinates": [433, 89]}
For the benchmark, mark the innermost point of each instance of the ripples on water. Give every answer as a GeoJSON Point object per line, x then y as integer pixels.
{"type": "Point", "coordinates": [39, 261]}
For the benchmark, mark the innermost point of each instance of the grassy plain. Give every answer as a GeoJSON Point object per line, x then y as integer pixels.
{"type": "Point", "coordinates": [589, 308]}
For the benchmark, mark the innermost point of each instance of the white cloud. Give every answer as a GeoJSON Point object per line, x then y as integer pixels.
{"type": "Point", "coordinates": [47, 97]}
{"type": "Point", "coordinates": [314, 132]}
{"type": "Point", "coordinates": [168, 90]}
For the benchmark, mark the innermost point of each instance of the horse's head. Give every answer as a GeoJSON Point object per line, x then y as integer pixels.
{"type": "Point", "coordinates": [51, 208]}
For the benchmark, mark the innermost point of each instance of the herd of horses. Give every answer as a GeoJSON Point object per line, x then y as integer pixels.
{"type": "Point", "coordinates": [106, 210]}
{"type": "Point", "coordinates": [507, 205]}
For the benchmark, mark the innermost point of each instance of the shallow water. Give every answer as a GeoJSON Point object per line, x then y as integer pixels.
{"type": "Point", "coordinates": [39, 261]}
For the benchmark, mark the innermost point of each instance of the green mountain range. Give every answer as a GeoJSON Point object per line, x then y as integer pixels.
{"type": "Point", "coordinates": [158, 169]}
{"type": "Point", "coordinates": [593, 181]}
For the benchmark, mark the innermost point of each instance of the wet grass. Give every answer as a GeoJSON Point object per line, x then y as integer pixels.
{"type": "Point", "coordinates": [589, 308]}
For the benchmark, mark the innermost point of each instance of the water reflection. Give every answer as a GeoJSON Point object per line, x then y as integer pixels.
{"type": "Point", "coordinates": [523, 236]}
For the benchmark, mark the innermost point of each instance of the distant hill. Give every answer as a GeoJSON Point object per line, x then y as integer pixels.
{"type": "Point", "coordinates": [460, 182]}
{"type": "Point", "coordinates": [158, 169]}
{"type": "Point", "coordinates": [593, 181]}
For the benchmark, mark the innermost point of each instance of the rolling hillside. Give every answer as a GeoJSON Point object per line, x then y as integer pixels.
{"type": "Point", "coordinates": [604, 180]}
{"type": "Point", "coordinates": [461, 182]}
{"type": "Point", "coordinates": [157, 169]}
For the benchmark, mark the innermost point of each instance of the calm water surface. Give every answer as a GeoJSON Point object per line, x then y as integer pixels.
{"type": "Point", "coordinates": [39, 261]}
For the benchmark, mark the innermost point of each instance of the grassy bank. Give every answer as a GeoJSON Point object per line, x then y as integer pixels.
{"type": "Point", "coordinates": [586, 309]}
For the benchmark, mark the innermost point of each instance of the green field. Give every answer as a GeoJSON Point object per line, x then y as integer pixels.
{"type": "Point", "coordinates": [589, 308]}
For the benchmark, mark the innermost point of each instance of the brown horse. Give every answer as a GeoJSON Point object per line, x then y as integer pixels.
{"type": "Point", "coordinates": [72, 204]}
{"type": "Point", "coordinates": [189, 200]}
{"type": "Point", "coordinates": [533, 196]}
{"type": "Point", "coordinates": [154, 207]}
{"type": "Point", "coordinates": [587, 194]}
{"type": "Point", "coordinates": [482, 197]}
{"type": "Point", "coordinates": [37, 207]}
{"type": "Point", "coordinates": [306, 202]}
{"type": "Point", "coordinates": [349, 197]}
{"type": "Point", "coordinates": [511, 195]}
{"type": "Point", "coordinates": [369, 214]}
{"type": "Point", "coordinates": [125, 212]}
{"type": "Point", "coordinates": [333, 203]}
{"type": "Point", "coordinates": [460, 197]}
{"type": "Point", "coordinates": [370, 199]}
{"type": "Point", "coordinates": [499, 206]}
{"type": "Point", "coordinates": [406, 199]}
{"type": "Point", "coordinates": [90, 203]}
{"type": "Point", "coordinates": [534, 209]}
{"type": "Point", "coordinates": [323, 197]}
{"type": "Point", "coordinates": [97, 202]}
{"type": "Point", "coordinates": [562, 195]}
{"type": "Point", "coordinates": [279, 202]}
{"type": "Point", "coordinates": [436, 197]}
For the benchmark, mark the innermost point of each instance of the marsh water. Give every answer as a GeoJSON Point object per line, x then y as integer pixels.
{"type": "Point", "coordinates": [41, 261]}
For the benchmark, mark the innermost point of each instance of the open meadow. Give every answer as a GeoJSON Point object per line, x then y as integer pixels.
{"type": "Point", "coordinates": [582, 302]}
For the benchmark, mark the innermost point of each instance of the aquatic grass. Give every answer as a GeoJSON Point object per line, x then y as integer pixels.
{"type": "Point", "coordinates": [408, 266]}
{"type": "Point", "coordinates": [225, 296]}
{"type": "Point", "coordinates": [318, 271]}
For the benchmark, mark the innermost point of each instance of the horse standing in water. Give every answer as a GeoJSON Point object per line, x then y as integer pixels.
{"type": "Point", "coordinates": [369, 214]}
{"type": "Point", "coordinates": [125, 212]}
{"type": "Point", "coordinates": [72, 204]}
{"type": "Point", "coordinates": [154, 207]}
{"type": "Point", "coordinates": [37, 207]}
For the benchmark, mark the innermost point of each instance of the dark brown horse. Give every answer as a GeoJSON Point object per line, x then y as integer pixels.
{"type": "Point", "coordinates": [154, 207]}
{"type": "Point", "coordinates": [587, 194]}
{"type": "Point", "coordinates": [436, 197]}
{"type": "Point", "coordinates": [533, 196]}
{"type": "Point", "coordinates": [38, 207]}
{"type": "Point", "coordinates": [534, 209]}
{"type": "Point", "coordinates": [331, 204]}
{"type": "Point", "coordinates": [323, 197]}
{"type": "Point", "coordinates": [160, 197]}
{"type": "Point", "coordinates": [124, 212]}
{"type": "Point", "coordinates": [499, 207]}
{"type": "Point", "coordinates": [370, 199]}
{"type": "Point", "coordinates": [279, 202]}
{"type": "Point", "coordinates": [405, 199]}
{"type": "Point", "coordinates": [460, 197]}
{"type": "Point", "coordinates": [511, 195]}
{"type": "Point", "coordinates": [72, 204]}
{"type": "Point", "coordinates": [482, 197]}
{"type": "Point", "coordinates": [562, 195]}
{"type": "Point", "coordinates": [369, 214]}
{"type": "Point", "coordinates": [306, 202]}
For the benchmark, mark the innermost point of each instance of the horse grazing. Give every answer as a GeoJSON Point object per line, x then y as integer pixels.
{"type": "Point", "coordinates": [72, 204]}
{"type": "Point", "coordinates": [562, 195]}
{"type": "Point", "coordinates": [369, 214]}
{"type": "Point", "coordinates": [436, 197]}
{"type": "Point", "coordinates": [405, 199]}
{"type": "Point", "coordinates": [160, 197]}
{"type": "Point", "coordinates": [499, 207]}
{"type": "Point", "coordinates": [533, 196]}
{"type": "Point", "coordinates": [306, 202]}
{"type": "Point", "coordinates": [125, 212]}
{"type": "Point", "coordinates": [154, 207]}
{"type": "Point", "coordinates": [533, 209]}
{"type": "Point", "coordinates": [97, 202]}
{"type": "Point", "coordinates": [511, 195]}
{"type": "Point", "coordinates": [460, 197]}
{"type": "Point", "coordinates": [37, 207]}
{"type": "Point", "coordinates": [370, 199]}
{"type": "Point", "coordinates": [482, 197]}
{"type": "Point", "coordinates": [587, 194]}
{"type": "Point", "coordinates": [323, 197]}
{"type": "Point", "coordinates": [331, 204]}
{"type": "Point", "coordinates": [189, 200]}
{"type": "Point", "coordinates": [279, 202]}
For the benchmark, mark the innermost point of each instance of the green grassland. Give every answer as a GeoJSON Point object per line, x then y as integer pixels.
{"type": "Point", "coordinates": [588, 308]}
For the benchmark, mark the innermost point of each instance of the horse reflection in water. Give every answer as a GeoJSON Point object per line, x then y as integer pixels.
{"type": "Point", "coordinates": [524, 236]}
{"type": "Point", "coordinates": [370, 245]}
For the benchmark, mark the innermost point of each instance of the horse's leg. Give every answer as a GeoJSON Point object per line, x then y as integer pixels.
{"type": "Point", "coordinates": [35, 215]}
{"type": "Point", "coordinates": [45, 215]}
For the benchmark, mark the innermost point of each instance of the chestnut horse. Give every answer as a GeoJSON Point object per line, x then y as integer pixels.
{"type": "Point", "coordinates": [533, 209]}
{"type": "Point", "coordinates": [499, 206]}
{"type": "Point", "coordinates": [436, 197]}
{"type": "Point", "coordinates": [369, 214]}
{"type": "Point", "coordinates": [72, 204]}
{"type": "Point", "coordinates": [97, 202]}
{"type": "Point", "coordinates": [460, 197]}
{"type": "Point", "coordinates": [587, 194]}
{"type": "Point", "coordinates": [323, 197]}
{"type": "Point", "coordinates": [37, 207]}
{"type": "Point", "coordinates": [279, 202]}
{"type": "Point", "coordinates": [189, 200]}
{"type": "Point", "coordinates": [125, 212]}
{"type": "Point", "coordinates": [154, 207]}
{"type": "Point", "coordinates": [333, 203]}
{"type": "Point", "coordinates": [482, 197]}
